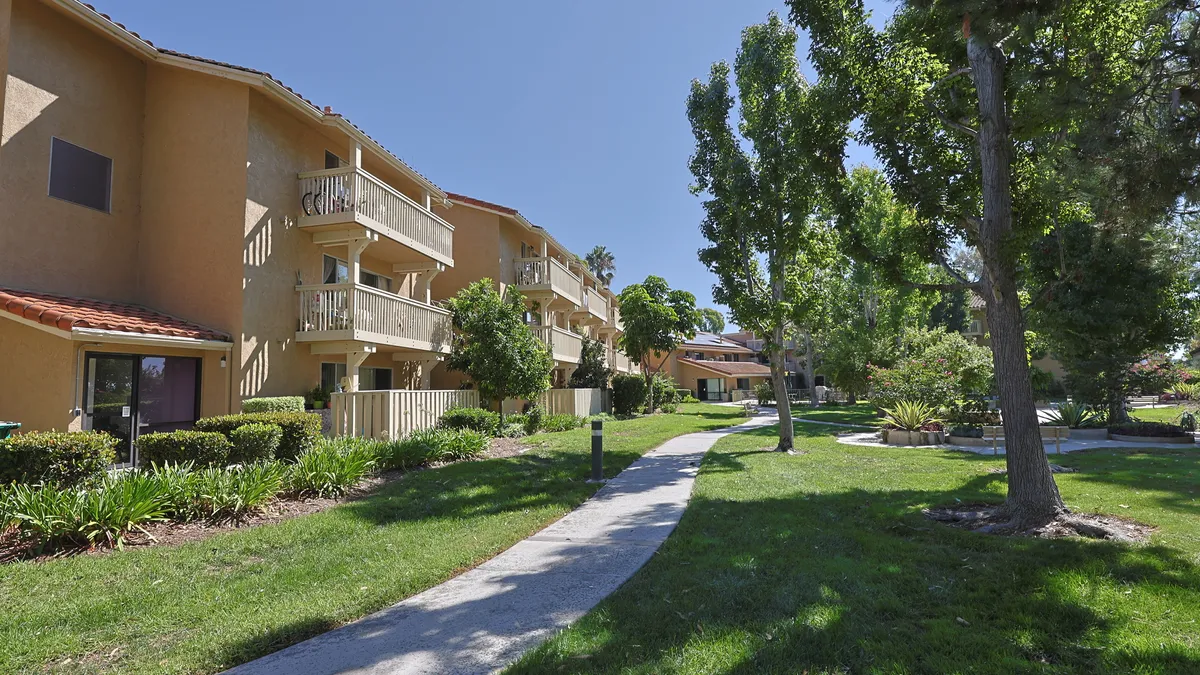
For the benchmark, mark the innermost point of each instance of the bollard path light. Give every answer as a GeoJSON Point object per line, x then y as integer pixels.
{"type": "Point", "coordinates": [597, 452]}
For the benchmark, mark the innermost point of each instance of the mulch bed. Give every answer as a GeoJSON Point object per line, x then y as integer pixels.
{"type": "Point", "coordinates": [991, 519]}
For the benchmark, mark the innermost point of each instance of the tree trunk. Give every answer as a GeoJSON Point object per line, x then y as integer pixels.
{"type": "Point", "coordinates": [809, 377]}
{"type": "Point", "coordinates": [1033, 496]}
{"type": "Point", "coordinates": [649, 389]}
{"type": "Point", "coordinates": [779, 384]}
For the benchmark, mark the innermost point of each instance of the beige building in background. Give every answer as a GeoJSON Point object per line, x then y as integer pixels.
{"type": "Point", "coordinates": [713, 367]}
{"type": "Point", "coordinates": [179, 234]}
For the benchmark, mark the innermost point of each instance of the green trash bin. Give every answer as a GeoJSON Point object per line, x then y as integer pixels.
{"type": "Point", "coordinates": [7, 429]}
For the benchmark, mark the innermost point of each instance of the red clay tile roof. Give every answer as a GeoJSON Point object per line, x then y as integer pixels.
{"type": "Point", "coordinates": [65, 312]}
{"type": "Point", "coordinates": [740, 368]}
{"type": "Point", "coordinates": [455, 197]}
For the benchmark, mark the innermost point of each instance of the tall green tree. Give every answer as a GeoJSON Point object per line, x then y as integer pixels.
{"type": "Point", "coordinates": [760, 194]}
{"type": "Point", "coordinates": [711, 321]}
{"type": "Point", "coordinates": [995, 121]}
{"type": "Point", "coordinates": [602, 263]}
{"type": "Point", "coordinates": [593, 371]}
{"type": "Point", "coordinates": [657, 320]}
{"type": "Point", "coordinates": [494, 347]}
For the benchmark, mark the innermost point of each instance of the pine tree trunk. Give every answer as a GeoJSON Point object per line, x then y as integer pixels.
{"type": "Point", "coordinates": [1032, 494]}
{"type": "Point", "coordinates": [779, 384]}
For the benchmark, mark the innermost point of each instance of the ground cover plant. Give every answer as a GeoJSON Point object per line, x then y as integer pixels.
{"type": "Point", "coordinates": [207, 605]}
{"type": "Point", "coordinates": [823, 562]}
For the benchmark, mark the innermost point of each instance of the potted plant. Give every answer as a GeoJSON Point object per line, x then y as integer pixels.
{"type": "Point", "coordinates": [317, 397]}
{"type": "Point", "coordinates": [912, 423]}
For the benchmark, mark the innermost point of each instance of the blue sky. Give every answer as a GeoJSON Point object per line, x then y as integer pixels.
{"type": "Point", "coordinates": [572, 112]}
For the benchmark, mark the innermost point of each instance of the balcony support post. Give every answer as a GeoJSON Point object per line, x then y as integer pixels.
{"type": "Point", "coordinates": [427, 200]}
{"type": "Point", "coordinates": [355, 156]}
{"type": "Point", "coordinates": [423, 274]}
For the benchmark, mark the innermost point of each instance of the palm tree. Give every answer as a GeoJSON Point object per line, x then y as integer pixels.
{"type": "Point", "coordinates": [600, 262]}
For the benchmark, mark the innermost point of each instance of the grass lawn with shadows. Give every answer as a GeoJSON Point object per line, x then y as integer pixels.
{"type": "Point", "coordinates": [859, 413]}
{"type": "Point", "coordinates": [1169, 414]}
{"type": "Point", "coordinates": [205, 606]}
{"type": "Point", "coordinates": [823, 563]}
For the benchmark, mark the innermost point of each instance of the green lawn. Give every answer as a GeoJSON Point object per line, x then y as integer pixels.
{"type": "Point", "coordinates": [859, 413]}
{"type": "Point", "coordinates": [208, 605]}
{"type": "Point", "coordinates": [1166, 414]}
{"type": "Point", "coordinates": [823, 563]}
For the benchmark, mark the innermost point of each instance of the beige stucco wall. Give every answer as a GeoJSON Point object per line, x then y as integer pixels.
{"type": "Point", "coordinates": [5, 30]}
{"type": "Point", "coordinates": [35, 377]}
{"type": "Point", "coordinates": [67, 82]}
{"type": "Point", "coordinates": [477, 250]}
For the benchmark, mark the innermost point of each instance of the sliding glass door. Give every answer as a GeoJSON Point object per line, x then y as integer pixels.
{"type": "Point", "coordinates": [127, 395]}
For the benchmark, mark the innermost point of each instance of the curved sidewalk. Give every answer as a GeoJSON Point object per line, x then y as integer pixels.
{"type": "Point", "coordinates": [484, 619]}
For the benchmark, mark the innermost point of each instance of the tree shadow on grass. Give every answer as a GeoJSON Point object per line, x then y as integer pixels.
{"type": "Point", "coordinates": [859, 581]}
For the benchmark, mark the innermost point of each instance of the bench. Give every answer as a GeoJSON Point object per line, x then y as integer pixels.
{"type": "Point", "coordinates": [1058, 433]}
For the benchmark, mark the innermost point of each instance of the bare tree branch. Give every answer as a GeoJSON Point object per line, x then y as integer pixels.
{"type": "Point", "coordinates": [929, 103]}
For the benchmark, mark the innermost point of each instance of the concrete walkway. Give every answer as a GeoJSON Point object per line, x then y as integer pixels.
{"type": "Point", "coordinates": [874, 439]}
{"type": "Point", "coordinates": [484, 619]}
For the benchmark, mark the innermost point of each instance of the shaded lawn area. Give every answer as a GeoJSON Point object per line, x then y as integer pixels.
{"type": "Point", "coordinates": [1168, 414]}
{"type": "Point", "coordinates": [823, 563]}
{"type": "Point", "coordinates": [208, 605]}
{"type": "Point", "coordinates": [859, 413]}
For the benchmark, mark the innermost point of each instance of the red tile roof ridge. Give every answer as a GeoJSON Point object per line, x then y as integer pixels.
{"type": "Point", "coordinates": [66, 312]}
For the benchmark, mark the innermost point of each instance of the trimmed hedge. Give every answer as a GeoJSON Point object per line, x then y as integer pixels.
{"type": "Point", "coordinates": [203, 448]}
{"type": "Point", "coordinates": [1152, 429]}
{"type": "Point", "coordinates": [629, 394]}
{"type": "Point", "coordinates": [476, 419]}
{"type": "Point", "coordinates": [274, 404]}
{"type": "Point", "coordinates": [254, 442]}
{"type": "Point", "coordinates": [301, 431]}
{"type": "Point", "coordinates": [65, 458]}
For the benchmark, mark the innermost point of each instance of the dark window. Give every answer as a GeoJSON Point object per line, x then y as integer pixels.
{"type": "Point", "coordinates": [819, 380]}
{"type": "Point", "coordinates": [699, 356]}
{"type": "Point", "coordinates": [332, 161]}
{"type": "Point", "coordinates": [80, 176]}
{"type": "Point", "coordinates": [743, 383]}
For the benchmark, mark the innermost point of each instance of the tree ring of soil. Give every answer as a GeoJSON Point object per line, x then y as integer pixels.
{"type": "Point", "coordinates": [994, 519]}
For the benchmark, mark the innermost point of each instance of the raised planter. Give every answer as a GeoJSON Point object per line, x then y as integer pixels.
{"type": "Point", "coordinates": [913, 438]}
{"type": "Point", "coordinates": [1100, 434]}
{"type": "Point", "coordinates": [1162, 440]}
{"type": "Point", "coordinates": [970, 441]}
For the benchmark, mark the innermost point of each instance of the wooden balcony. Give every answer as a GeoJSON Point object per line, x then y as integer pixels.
{"type": "Point", "coordinates": [619, 362]}
{"type": "Point", "coordinates": [536, 275]}
{"type": "Point", "coordinates": [350, 196]}
{"type": "Point", "coordinates": [614, 319]}
{"type": "Point", "coordinates": [596, 304]}
{"type": "Point", "coordinates": [354, 312]}
{"type": "Point", "coordinates": [564, 345]}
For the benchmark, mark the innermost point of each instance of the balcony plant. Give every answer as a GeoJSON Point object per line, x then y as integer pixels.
{"type": "Point", "coordinates": [317, 397]}
{"type": "Point", "coordinates": [912, 423]}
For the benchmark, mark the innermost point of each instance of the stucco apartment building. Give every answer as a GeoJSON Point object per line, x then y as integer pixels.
{"type": "Point", "coordinates": [977, 330]}
{"type": "Point", "coordinates": [179, 234]}
{"type": "Point", "coordinates": [712, 367]}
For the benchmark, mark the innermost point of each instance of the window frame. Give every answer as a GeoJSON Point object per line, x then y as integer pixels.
{"type": "Point", "coordinates": [361, 271]}
{"type": "Point", "coordinates": [108, 192]}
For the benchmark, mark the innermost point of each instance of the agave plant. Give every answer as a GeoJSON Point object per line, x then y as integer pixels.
{"type": "Point", "coordinates": [1073, 415]}
{"type": "Point", "coordinates": [910, 415]}
{"type": "Point", "coordinates": [1187, 391]}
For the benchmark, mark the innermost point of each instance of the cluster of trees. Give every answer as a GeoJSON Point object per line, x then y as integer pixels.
{"type": "Point", "coordinates": [1058, 142]}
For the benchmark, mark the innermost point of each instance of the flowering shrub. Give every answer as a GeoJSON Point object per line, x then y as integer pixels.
{"type": "Point", "coordinates": [1153, 374]}
{"type": "Point", "coordinates": [928, 382]}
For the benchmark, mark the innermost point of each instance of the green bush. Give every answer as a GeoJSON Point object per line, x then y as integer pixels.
{"type": "Point", "coordinates": [511, 430]}
{"type": "Point", "coordinates": [254, 442]}
{"type": "Point", "coordinates": [65, 458]}
{"type": "Point", "coordinates": [1153, 429]}
{"type": "Point", "coordinates": [217, 493]}
{"type": "Point", "coordinates": [330, 469]}
{"type": "Point", "coordinates": [417, 449]}
{"type": "Point", "coordinates": [53, 515]}
{"type": "Point", "coordinates": [533, 419]}
{"type": "Point", "coordinates": [764, 393]}
{"type": "Point", "coordinates": [176, 447]}
{"type": "Point", "coordinates": [477, 419]}
{"type": "Point", "coordinates": [561, 422]}
{"type": "Point", "coordinates": [689, 398]}
{"type": "Point", "coordinates": [928, 382]}
{"type": "Point", "coordinates": [463, 444]}
{"type": "Point", "coordinates": [629, 394]}
{"type": "Point", "coordinates": [669, 408]}
{"type": "Point", "coordinates": [273, 404]}
{"type": "Point", "coordinates": [665, 391]}
{"type": "Point", "coordinates": [301, 430]}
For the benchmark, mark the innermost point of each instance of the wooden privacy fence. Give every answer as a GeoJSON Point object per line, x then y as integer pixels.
{"type": "Point", "coordinates": [579, 402]}
{"type": "Point", "coordinates": [395, 413]}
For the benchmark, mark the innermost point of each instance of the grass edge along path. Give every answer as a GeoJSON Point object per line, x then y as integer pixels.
{"type": "Point", "coordinates": [822, 563]}
{"type": "Point", "coordinates": [209, 605]}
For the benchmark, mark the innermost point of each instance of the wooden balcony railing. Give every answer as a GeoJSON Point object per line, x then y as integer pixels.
{"type": "Point", "coordinates": [596, 303]}
{"type": "Point", "coordinates": [549, 274]}
{"type": "Point", "coordinates": [564, 345]}
{"type": "Point", "coordinates": [614, 318]}
{"type": "Point", "coordinates": [619, 362]}
{"type": "Point", "coordinates": [358, 312]}
{"type": "Point", "coordinates": [348, 194]}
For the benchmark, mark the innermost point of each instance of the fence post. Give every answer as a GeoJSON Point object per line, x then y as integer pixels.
{"type": "Point", "coordinates": [597, 452]}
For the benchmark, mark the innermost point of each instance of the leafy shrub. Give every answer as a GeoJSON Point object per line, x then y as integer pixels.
{"type": "Point", "coordinates": [682, 395]}
{"type": "Point", "coordinates": [928, 382]}
{"type": "Point", "coordinates": [301, 430]}
{"type": "Point", "coordinates": [65, 458]}
{"type": "Point", "coordinates": [254, 442]}
{"type": "Point", "coordinates": [50, 514]}
{"type": "Point", "coordinates": [669, 408]}
{"type": "Point", "coordinates": [1187, 391]}
{"type": "Point", "coordinates": [223, 493]}
{"type": "Point", "coordinates": [330, 469]}
{"type": "Point", "coordinates": [1187, 421]}
{"type": "Point", "coordinates": [665, 391]}
{"type": "Point", "coordinates": [967, 431]}
{"type": "Point", "coordinates": [764, 393]}
{"type": "Point", "coordinates": [688, 398]}
{"type": "Point", "coordinates": [512, 430]}
{"type": "Point", "coordinates": [561, 422]}
{"type": "Point", "coordinates": [629, 394]}
{"type": "Point", "coordinates": [971, 413]}
{"type": "Point", "coordinates": [533, 419]}
{"type": "Point", "coordinates": [402, 454]}
{"type": "Point", "coordinates": [1073, 415]}
{"type": "Point", "coordinates": [477, 419]}
{"type": "Point", "coordinates": [911, 416]}
{"type": "Point", "coordinates": [274, 404]}
{"type": "Point", "coordinates": [463, 444]}
{"type": "Point", "coordinates": [1159, 429]}
{"type": "Point", "coordinates": [175, 447]}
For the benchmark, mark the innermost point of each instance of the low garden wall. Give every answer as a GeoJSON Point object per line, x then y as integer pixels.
{"type": "Point", "coordinates": [394, 413]}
